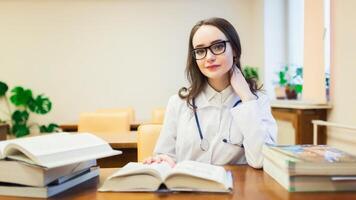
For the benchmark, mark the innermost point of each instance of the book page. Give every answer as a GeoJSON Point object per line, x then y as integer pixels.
{"type": "Point", "coordinates": [22, 158]}
{"type": "Point", "coordinates": [59, 149]}
{"type": "Point", "coordinates": [200, 170]}
{"type": "Point", "coordinates": [2, 147]}
{"type": "Point", "coordinates": [3, 144]}
{"type": "Point", "coordinates": [343, 178]}
{"type": "Point", "coordinates": [157, 170]}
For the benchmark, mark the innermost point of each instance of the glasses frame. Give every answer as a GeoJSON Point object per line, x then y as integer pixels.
{"type": "Point", "coordinates": [209, 47]}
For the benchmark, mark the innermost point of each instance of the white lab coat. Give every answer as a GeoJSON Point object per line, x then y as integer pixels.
{"type": "Point", "coordinates": [245, 127]}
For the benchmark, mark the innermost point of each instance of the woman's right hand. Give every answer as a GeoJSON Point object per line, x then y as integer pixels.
{"type": "Point", "coordinates": [160, 158]}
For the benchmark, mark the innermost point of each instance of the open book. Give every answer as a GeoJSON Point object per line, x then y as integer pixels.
{"type": "Point", "coordinates": [57, 149]}
{"type": "Point", "coordinates": [185, 176]}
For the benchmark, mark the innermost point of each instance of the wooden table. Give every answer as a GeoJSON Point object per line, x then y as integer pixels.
{"type": "Point", "coordinates": [249, 183]}
{"type": "Point", "coordinates": [73, 126]}
{"type": "Point", "coordinates": [125, 142]}
{"type": "Point", "coordinates": [300, 114]}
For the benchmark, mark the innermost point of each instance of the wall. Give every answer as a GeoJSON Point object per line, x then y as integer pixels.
{"type": "Point", "coordinates": [275, 43]}
{"type": "Point", "coordinates": [314, 86]}
{"type": "Point", "coordinates": [343, 73]}
{"type": "Point", "coordinates": [87, 54]}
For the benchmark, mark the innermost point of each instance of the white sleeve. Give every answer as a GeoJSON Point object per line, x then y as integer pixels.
{"type": "Point", "coordinates": [258, 127]}
{"type": "Point", "coordinates": [166, 142]}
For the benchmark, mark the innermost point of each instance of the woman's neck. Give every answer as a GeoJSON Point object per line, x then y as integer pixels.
{"type": "Point", "coordinates": [219, 84]}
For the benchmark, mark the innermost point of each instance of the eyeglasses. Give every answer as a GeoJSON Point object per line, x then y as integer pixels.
{"type": "Point", "coordinates": [216, 48]}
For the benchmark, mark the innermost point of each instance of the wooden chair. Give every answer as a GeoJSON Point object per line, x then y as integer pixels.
{"type": "Point", "coordinates": [129, 110]}
{"type": "Point", "coordinates": [158, 115]}
{"type": "Point", "coordinates": [147, 136]}
{"type": "Point", "coordinates": [104, 123]}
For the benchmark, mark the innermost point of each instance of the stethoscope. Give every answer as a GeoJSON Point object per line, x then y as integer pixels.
{"type": "Point", "coordinates": [204, 143]}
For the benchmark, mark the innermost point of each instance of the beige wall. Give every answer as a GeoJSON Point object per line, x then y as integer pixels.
{"type": "Point", "coordinates": [87, 54]}
{"type": "Point", "coordinates": [313, 86]}
{"type": "Point", "coordinates": [343, 72]}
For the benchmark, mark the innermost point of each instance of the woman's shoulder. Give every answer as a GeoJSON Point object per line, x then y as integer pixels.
{"type": "Point", "coordinates": [263, 98]}
{"type": "Point", "coordinates": [177, 104]}
{"type": "Point", "coordinates": [261, 94]}
{"type": "Point", "coordinates": [175, 100]}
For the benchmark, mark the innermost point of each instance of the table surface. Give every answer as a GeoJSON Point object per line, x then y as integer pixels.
{"type": "Point", "coordinates": [249, 183]}
{"type": "Point", "coordinates": [297, 104]}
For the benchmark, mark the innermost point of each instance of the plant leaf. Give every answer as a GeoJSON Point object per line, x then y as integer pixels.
{"type": "Point", "coordinates": [282, 80]}
{"type": "Point", "coordinates": [40, 105]}
{"type": "Point", "coordinates": [299, 72]}
{"type": "Point", "coordinates": [49, 129]}
{"type": "Point", "coordinates": [20, 96]}
{"type": "Point", "coordinates": [20, 130]}
{"type": "Point", "coordinates": [20, 117]}
{"type": "Point", "coordinates": [299, 88]}
{"type": "Point", "coordinates": [3, 88]}
{"type": "Point", "coordinates": [250, 72]}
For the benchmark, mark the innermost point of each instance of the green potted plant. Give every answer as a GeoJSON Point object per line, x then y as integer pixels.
{"type": "Point", "coordinates": [250, 72]}
{"type": "Point", "coordinates": [25, 103]}
{"type": "Point", "coordinates": [289, 82]}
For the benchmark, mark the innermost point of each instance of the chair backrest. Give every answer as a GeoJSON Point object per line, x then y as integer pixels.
{"type": "Point", "coordinates": [147, 136]}
{"type": "Point", "coordinates": [102, 123]}
{"type": "Point", "coordinates": [317, 123]}
{"type": "Point", "coordinates": [158, 115]}
{"type": "Point", "coordinates": [129, 110]}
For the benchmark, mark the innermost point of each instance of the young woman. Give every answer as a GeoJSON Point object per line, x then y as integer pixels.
{"type": "Point", "coordinates": [221, 118]}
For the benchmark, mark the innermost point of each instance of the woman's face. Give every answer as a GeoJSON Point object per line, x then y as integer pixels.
{"type": "Point", "coordinates": [215, 67]}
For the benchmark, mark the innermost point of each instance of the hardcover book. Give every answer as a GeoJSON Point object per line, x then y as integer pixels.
{"type": "Point", "coordinates": [185, 176]}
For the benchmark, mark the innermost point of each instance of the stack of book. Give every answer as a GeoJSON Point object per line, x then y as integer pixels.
{"type": "Point", "coordinates": [310, 168]}
{"type": "Point", "coordinates": [46, 165]}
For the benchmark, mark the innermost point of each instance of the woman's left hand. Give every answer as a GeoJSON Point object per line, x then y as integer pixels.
{"type": "Point", "coordinates": [240, 85]}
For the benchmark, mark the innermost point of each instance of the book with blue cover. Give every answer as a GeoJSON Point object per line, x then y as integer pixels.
{"type": "Point", "coordinates": [316, 153]}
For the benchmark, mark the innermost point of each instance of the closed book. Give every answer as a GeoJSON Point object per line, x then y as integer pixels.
{"type": "Point", "coordinates": [185, 176]}
{"type": "Point", "coordinates": [311, 159]}
{"type": "Point", "coordinates": [308, 183]}
{"type": "Point", "coordinates": [19, 172]}
{"type": "Point", "coordinates": [57, 149]}
{"type": "Point", "coordinates": [50, 190]}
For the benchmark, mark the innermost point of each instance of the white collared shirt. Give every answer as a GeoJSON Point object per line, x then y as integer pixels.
{"type": "Point", "coordinates": [244, 128]}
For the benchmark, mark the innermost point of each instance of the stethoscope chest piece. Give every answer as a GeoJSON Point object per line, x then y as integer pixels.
{"type": "Point", "coordinates": [204, 144]}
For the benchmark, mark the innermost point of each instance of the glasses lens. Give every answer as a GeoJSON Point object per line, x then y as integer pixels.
{"type": "Point", "coordinates": [218, 48]}
{"type": "Point", "coordinates": [199, 53]}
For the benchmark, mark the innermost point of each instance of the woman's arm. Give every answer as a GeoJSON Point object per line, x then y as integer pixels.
{"type": "Point", "coordinates": [166, 143]}
{"type": "Point", "coordinates": [257, 126]}
{"type": "Point", "coordinates": [254, 118]}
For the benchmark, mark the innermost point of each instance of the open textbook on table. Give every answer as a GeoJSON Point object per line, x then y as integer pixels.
{"type": "Point", "coordinates": [185, 176]}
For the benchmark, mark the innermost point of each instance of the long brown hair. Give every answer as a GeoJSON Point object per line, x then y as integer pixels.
{"type": "Point", "coordinates": [196, 79]}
